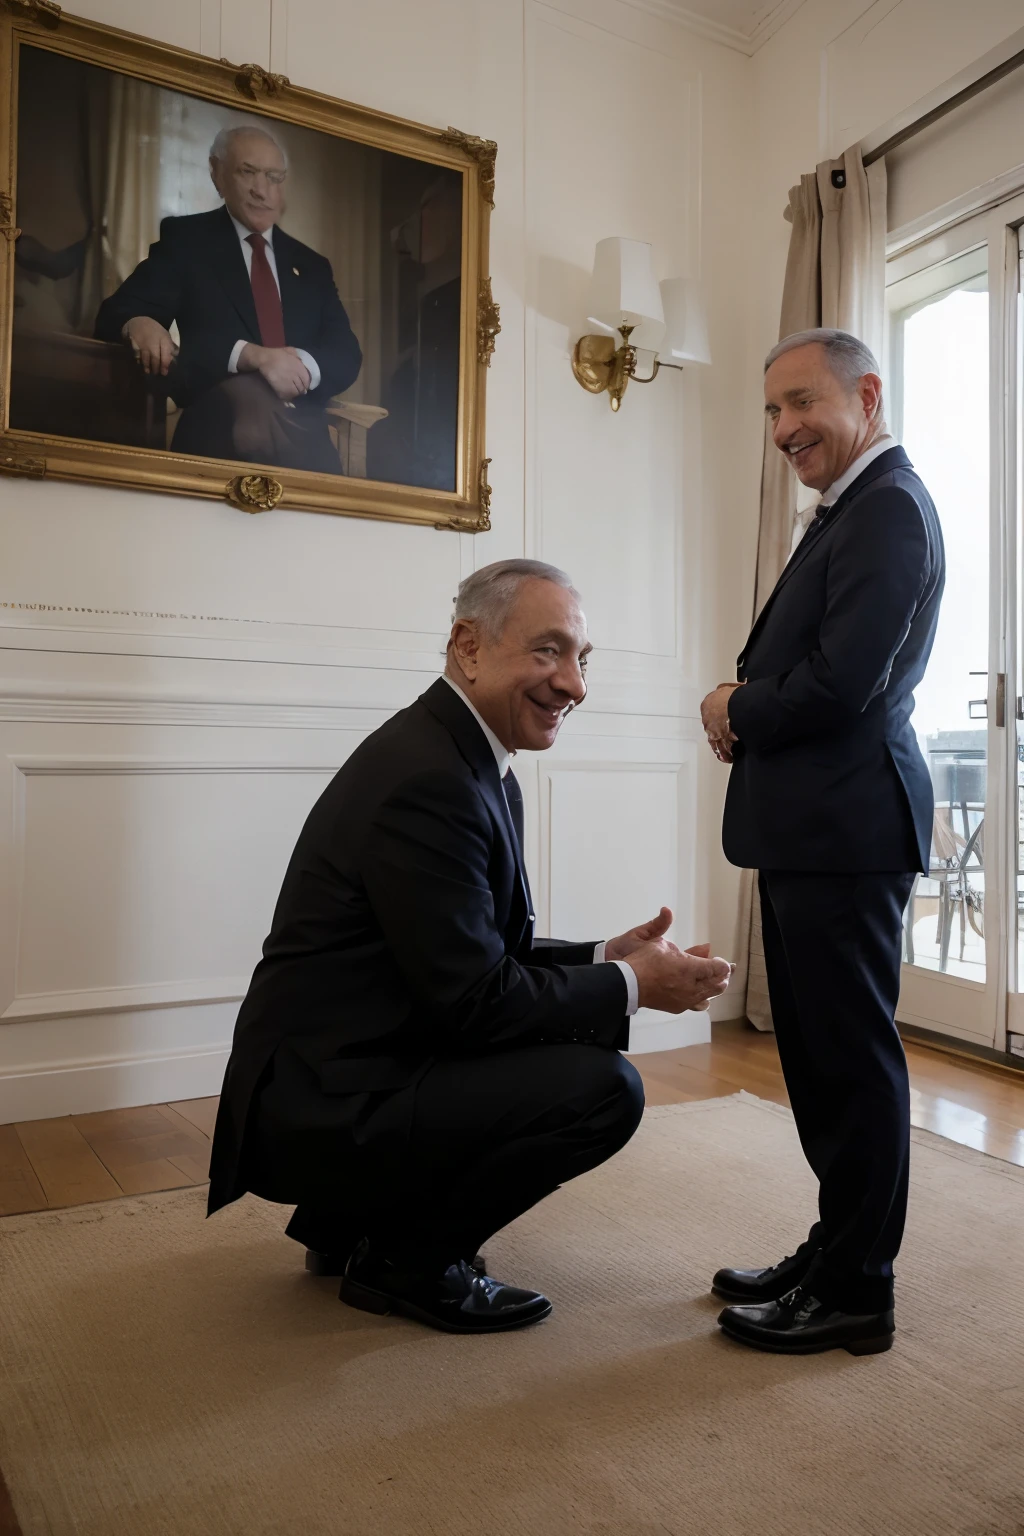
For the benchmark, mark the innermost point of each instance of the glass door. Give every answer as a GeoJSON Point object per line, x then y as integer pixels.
{"type": "Point", "coordinates": [949, 345]}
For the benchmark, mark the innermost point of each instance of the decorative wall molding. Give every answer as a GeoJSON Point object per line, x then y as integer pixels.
{"type": "Point", "coordinates": [366, 665]}
{"type": "Point", "coordinates": [137, 632]}
{"type": "Point", "coordinates": [769, 19]}
{"type": "Point", "coordinates": [82, 1087]}
{"type": "Point", "coordinates": [619, 707]}
{"type": "Point", "coordinates": [41, 706]}
{"type": "Point", "coordinates": [161, 994]}
{"type": "Point", "coordinates": [81, 766]}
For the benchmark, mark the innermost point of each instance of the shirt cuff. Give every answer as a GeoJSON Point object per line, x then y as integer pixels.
{"type": "Point", "coordinates": [236, 352]}
{"type": "Point", "coordinates": [632, 989]}
{"type": "Point", "coordinates": [314, 371]}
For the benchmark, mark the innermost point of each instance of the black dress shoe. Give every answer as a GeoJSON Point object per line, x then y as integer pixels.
{"type": "Point", "coordinates": [333, 1264]}
{"type": "Point", "coordinates": [458, 1301]}
{"type": "Point", "coordinates": [800, 1324]}
{"type": "Point", "coordinates": [755, 1285]}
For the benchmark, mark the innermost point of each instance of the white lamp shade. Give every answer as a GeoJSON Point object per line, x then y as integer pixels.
{"type": "Point", "coordinates": [623, 291]}
{"type": "Point", "coordinates": [686, 326]}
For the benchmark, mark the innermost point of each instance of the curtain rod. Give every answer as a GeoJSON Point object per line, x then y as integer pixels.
{"type": "Point", "coordinates": [999, 73]}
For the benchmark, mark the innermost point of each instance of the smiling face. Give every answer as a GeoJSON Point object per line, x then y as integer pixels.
{"type": "Point", "coordinates": [818, 422]}
{"type": "Point", "coordinates": [524, 681]}
{"type": "Point", "coordinates": [251, 179]}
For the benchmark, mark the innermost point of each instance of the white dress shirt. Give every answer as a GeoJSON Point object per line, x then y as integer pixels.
{"type": "Point", "coordinates": [268, 240]}
{"type": "Point", "coordinates": [859, 465]}
{"type": "Point", "coordinates": [503, 759]}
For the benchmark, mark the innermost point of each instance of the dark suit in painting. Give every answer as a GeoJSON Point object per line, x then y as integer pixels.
{"type": "Point", "coordinates": [830, 800]}
{"type": "Point", "coordinates": [195, 275]}
{"type": "Point", "coordinates": [410, 1064]}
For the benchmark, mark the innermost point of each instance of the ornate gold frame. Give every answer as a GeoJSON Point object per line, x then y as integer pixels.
{"type": "Point", "coordinates": [43, 24]}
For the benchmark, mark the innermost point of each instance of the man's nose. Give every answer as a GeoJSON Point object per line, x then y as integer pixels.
{"type": "Point", "coordinates": [568, 679]}
{"type": "Point", "coordinates": [785, 426]}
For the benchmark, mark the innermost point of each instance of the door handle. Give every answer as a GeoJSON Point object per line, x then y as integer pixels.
{"type": "Point", "coordinates": [981, 705]}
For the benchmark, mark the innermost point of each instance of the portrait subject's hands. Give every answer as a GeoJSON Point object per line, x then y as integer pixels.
{"type": "Point", "coordinates": [627, 943]}
{"type": "Point", "coordinates": [151, 343]}
{"type": "Point", "coordinates": [282, 367]}
{"type": "Point", "coordinates": [675, 981]}
{"type": "Point", "coordinates": [714, 715]}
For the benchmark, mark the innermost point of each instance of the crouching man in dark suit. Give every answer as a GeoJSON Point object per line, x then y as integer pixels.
{"type": "Point", "coordinates": [265, 340]}
{"type": "Point", "coordinates": [830, 800]}
{"type": "Point", "coordinates": [412, 1068]}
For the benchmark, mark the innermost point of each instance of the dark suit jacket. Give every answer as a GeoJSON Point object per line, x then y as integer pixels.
{"type": "Point", "coordinates": [403, 933]}
{"type": "Point", "coordinates": [827, 773]}
{"type": "Point", "coordinates": [196, 274]}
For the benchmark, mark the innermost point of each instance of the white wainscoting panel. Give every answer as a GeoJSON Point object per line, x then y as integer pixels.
{"type": "Point", "coordinates": [147, 882]}
{"type": "Point", "coordinates": [611, 838]}
{"type": "Point", "coordinates": [139, 867]}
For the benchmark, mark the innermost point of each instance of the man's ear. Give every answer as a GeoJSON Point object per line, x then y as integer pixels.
{"type": "Point", "coordinates": [870, 387]}
{"type": "Point", "coordinates": [465, 645]}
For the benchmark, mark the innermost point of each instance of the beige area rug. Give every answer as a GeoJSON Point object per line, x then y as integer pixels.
{"type": "Point", "coordinates": [166, 1376]}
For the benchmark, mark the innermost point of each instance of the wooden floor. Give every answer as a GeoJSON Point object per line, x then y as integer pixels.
{"type": "Point", "coordinates": [81, 1158]}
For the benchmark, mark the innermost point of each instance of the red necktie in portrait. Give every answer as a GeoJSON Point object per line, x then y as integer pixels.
{"type": "Point", "coordinates": [269, 314]}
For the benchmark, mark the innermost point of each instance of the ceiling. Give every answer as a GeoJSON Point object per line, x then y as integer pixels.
{"type": "Point", "coordinates": [742, 24]}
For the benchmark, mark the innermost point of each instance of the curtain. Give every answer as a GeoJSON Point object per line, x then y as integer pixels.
{"type": "Point", "coordinates": [94, 144]}
{"type": "Point", "coordinates": [131, 215]}
{"type": "Point", "coordinates": [355, 243]}
{"type": "Point", "coordinates": [121, 183]}
{"type": "Point", "coordinates": [835, 276]}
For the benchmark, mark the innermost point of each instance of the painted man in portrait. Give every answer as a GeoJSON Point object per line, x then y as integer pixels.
{"type": "Point", "coordinates": [265, 342]}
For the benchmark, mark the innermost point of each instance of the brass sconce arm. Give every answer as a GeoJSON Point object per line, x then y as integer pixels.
{"type": "Point", "coordinates": [599, 365]}
{"type": "Point", "coordinates": [651, 376]}
{"type": "Point", "coordinates": [658, 366]}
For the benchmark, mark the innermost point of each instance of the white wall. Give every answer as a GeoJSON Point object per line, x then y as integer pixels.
{"type": "Point", "coordinates": [178, 680]}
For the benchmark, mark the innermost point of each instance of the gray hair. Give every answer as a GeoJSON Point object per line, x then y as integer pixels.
{"type": "Point", "coordinates": [848, 358]}
{"type": "Point", "coordinates": [490, 593]}
{"type": "Point", "coordinates": [222, 143]}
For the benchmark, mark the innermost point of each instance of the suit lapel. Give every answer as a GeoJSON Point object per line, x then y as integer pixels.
{"type": "Point", "coordinates": [443, 702]}
{"type": "Point", "coordinates": [894, 458]}
{"type": "Point", "coordinates": [230, 270]}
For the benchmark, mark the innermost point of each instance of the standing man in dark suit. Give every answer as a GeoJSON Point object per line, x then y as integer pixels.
{"type": "Point", "coordinates": [412, 1068]}
{"type": "Point", "coordinates": [830, 800]}
{"type": "Point", "coordinates": [265, 340]}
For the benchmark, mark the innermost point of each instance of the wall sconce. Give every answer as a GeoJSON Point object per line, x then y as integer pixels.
{"type": "Point", "coordinates": [667, 320]}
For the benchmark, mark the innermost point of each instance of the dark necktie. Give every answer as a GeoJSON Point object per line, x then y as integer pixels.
{"type": "Point", "coordinates": [269, 314]}
{"type": "Point", "coordinates": [818, 522]}
{"type": "Point", "coordinates": [514, 796]}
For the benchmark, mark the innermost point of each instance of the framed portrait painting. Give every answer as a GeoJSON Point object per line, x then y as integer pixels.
{"type": "Point", "coordinates": [219, 284]}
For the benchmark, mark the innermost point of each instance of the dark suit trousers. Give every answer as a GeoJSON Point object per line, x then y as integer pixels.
{"type": "Point", "coordinates": [832, 947]}
{"type": "Point", "coordinates": [490, 1137]}
{"type": "Point", "coordinates": [242, 418]}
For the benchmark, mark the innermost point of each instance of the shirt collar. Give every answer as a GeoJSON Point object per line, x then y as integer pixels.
{"type": "Point", "coordinates": [243, 232]}
{"type": "Point", "coordinates": [501, 755]}
{"type": "Point", "coordinates": [859, 465]}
